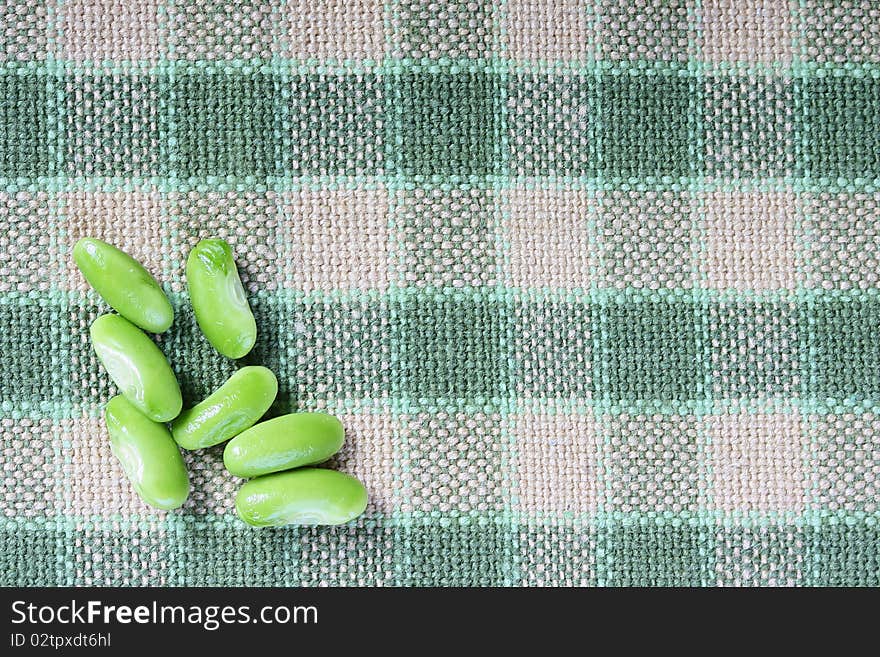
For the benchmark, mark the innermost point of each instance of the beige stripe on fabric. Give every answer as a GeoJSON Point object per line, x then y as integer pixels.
{"type": "Point", "coordinates": [336, 239]}
{"type": "Point", "coordinates": [846, 453]}
{"type": "Point", "coordinates": [26, 246]}
{"type": "Point", "coordinates": [445, 238]}
{"type": "Point", "coordinates": [131, 221]}
{"type": "Point", "coordinates": [839, 32]}
{"type": "Point", "coordinates": [28, 484]}
{"type": "Point", "coordinates": [646, 239]}
{"type": "Point", "coordinates": [844, 247]}
{"type": "Point", "coordinates": [212, 487]}
{"type": "Point", "coordinates": [96, 485]}
{"type": "Point", "coordinates": [452, 462]}
{"type": "Point", "coordinates": [550, 30]}
{"type": "Point", "coordinates": [757, 462]}
{"type": "Point", "coordinates": [547, 235]}
{"type": "Point", "coordinates": [557, 463]}
{"type": "Point", "coordinates": [751, 240]}
{"type": "Point", "coordinates": [664, 30]}
{"type": "Point", "coordinates": [750, 31]}
{"type": "Point", "coordinates": [248, 221]}
{"type": "Point", "coordinates": [108, 29]}
{"type": "Point", "coordinates": [654, 463]}
{"type": "Point", "coordinates": [368, 454]}
{"type": "Point", "coordinates": [354, 29]}
{"type": "Point", "coordinates": [25, 27]}
{"type": "Point", "coordinates": [232, 29]}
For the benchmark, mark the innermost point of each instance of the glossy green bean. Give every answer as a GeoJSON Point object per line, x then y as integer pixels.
{"type": "Point", "coordinates": [285, 442]}
{"type": "Point", "coordinates": [149, 456]}
{"type": "Point", "coordinates": [308, 496]}
{"type": "Point", "coordinates": [137, 366]}
{"type": "Point", "coordinates": [124, 284]}
{"type": "Point", "coordinates": [218, 299]}
{"type": "Point", "coordinates": [229, 410]}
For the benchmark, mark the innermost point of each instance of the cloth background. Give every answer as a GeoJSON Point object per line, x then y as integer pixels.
{"type": "Point", "coordinates": [592, 285]}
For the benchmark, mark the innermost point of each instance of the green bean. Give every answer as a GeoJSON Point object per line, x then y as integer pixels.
{"type": "Point", "coordinates": [218, 299]}
{"type": "Point", "coordinates": [149, 456]}
{"type": "Point", "coordinates": [137, 367]}
{"type": "Point", "coordinates": [308, 496]}
{"type": "Point", "coordinates": [229, 410]}
{"type": "Point", "coordinates": [124, 284]}
{"type": "Point", "coordinates": [285, 442]}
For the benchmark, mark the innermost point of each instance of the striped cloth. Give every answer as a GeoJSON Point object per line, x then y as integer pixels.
{"type": "Point", "coordinates": [592, 285]}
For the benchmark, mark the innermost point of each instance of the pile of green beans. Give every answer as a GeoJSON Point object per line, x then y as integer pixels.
{"type": "Point", "coordinates": [276, 455]}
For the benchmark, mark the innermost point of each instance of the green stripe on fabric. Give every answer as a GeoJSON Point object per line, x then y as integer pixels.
{"type": "Point", "coordinates": [32, 557]}
{"type": "Point", "coordinates": [335, 182]}
{"type": "Point", "coordinates": [823, 551]}
{"type": "Point", "coordinates": [449, 347]}
{"type": "Point", "coordinates": [462, 555]}
{"type": "Point", "coordinates": [842, 555]}
{"type": "Point", "coordinates": [658, 556]}
{"type": "Point", "coordinates": [819, 516]}
{"type": "Point", "coordinates": [558, 556]}
{"type": "Point", "coordinates": [693, 67]}
{"type": "Point", "coordinates": [444, 121]}
{"type": "Point", "coordinates": [361, 556]}
{"type": "Point", "coordinates": [647, 128]}
{"type": "Point", "coordinates": [144, 553]}
{"type": "Point", "coordinates": [206, 555]}
{"type": "Point", "coordinates": [551, 125]}
{"type": "Point", "coordinates": [445, 124]}
{"type": "Point", "coordinates": [97, 143]}
{"type": "Point", "coordinates": [553, 343]}
{"type": "Point", "coordinates": [622, 349]}
{"type": "Point", "coordinates": [648, 350]}
{"type": "Point", "coordinates": [25, 127]}
{"type": "Point", "coordinates": [843, 126]}
{"type": "Point", "coordinates": [35, 352]}
{"type": "Point", "coordinates": [771, 555]}
{"type": "Point", "coordinates": [840, 348]}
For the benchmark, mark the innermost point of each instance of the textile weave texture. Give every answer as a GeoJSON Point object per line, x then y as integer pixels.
{"type": "Point", "coordinates": [593, 286]}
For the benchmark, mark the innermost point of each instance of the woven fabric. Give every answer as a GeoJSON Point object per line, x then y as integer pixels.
{"type": "Point", "coordinates": [592, 285]}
